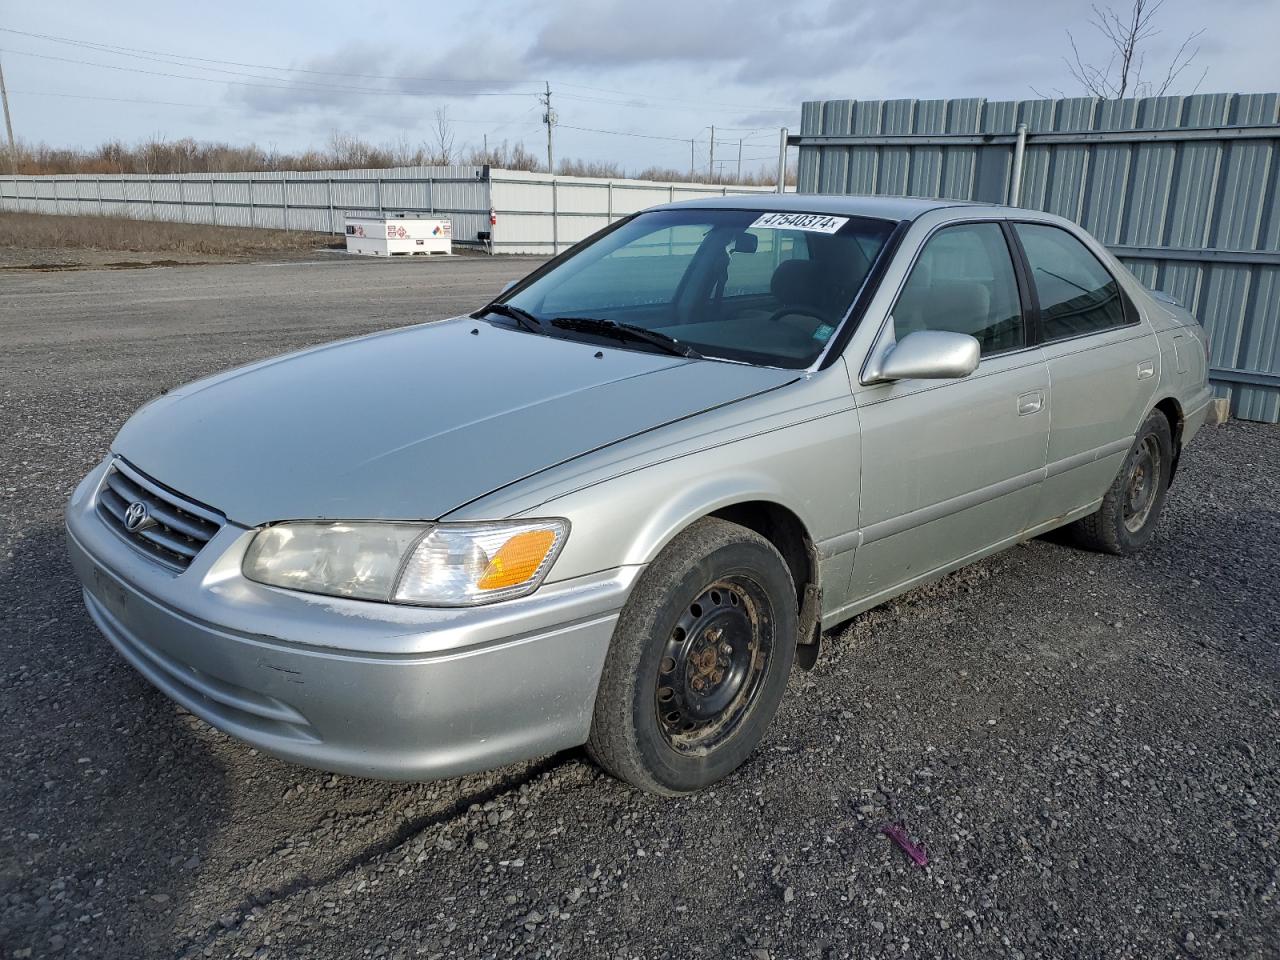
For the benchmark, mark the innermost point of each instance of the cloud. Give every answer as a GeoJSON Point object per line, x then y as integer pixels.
{"type": "Point", "coordinates": [368, 78]}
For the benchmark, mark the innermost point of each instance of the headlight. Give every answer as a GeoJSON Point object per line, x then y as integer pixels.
{"type": "Point", "coordinates": [445, 565]}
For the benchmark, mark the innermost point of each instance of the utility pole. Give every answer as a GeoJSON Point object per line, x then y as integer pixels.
{"type": "Point", "coordinates": [8, 124]}
{"type": "Point", "coordinates": [711, 163]}
{"type": "Point", "coordinates": [549, 118]}
{"type": "Point", "coordinates": [782, 160]}
{"type": "Point", "coordinates": [739, 160]}
{"type": "Point", "coordinates": [691, 159]}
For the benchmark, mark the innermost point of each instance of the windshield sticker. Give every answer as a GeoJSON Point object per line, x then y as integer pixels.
{"type": "Point", "coordinates": [823, 333]}
{"type": "Point", "coordinates": [813, 222]}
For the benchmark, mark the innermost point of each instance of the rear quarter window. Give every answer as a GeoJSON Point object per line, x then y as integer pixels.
{"type": "Point", "coordinates": [1077, 294]}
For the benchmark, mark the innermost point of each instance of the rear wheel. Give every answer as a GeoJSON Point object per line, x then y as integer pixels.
{"type": "Point", "coordinates": [698, 661]}
{"type": "Point", "coordinates": [1133, 504]}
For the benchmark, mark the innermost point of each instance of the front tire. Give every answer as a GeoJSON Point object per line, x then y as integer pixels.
{"type": "Point", "coordinates": [698, 661]}
{"type": "Point", "coordinates": [1132, 505]}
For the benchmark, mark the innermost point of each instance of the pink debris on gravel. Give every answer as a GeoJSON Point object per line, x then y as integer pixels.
{"type": "Point", "coordinates": [911, 849]}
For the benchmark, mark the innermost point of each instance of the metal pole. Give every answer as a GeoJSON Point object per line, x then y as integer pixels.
{"type": "Point", "coordinates": [213, 202]}
{"type": "Point", "coordinates": [253, 221]}
{"type": "Point", "coordinates": [329, 183]}
{"type": "Point", "coordinates": [8, 124]}
{"type": "Point", "coordinates": [549, 118]}
{"type": "Point", "coordinates": [555, 218]}
{"type": "Point", "coordinates": [739, 160]}
{"type": "Point", "coordinates": [609, 209]}
{"type": "Point", "coordinates": [782, 160]}
{"type": "Point", "coordinates": [711, 162]}
{"type": "Point", "coordinates": [691, 159]}
{"type": "Point", "coordinates": [1015, 180]}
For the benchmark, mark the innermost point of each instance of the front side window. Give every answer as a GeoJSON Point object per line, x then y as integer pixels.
{"type": "Point", "coordinates": [745, 285]}
{"type": "Point", "coordinates": [963, 282]}
{"type": "Point", "coordinates": [1077, 294]}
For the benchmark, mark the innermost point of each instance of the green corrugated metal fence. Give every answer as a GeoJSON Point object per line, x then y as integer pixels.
{"type": "Point", "coordinates": [1185, 190]}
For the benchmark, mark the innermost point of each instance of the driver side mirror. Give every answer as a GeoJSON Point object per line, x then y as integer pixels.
{"type": "Point", "coordinates": [926, 355]}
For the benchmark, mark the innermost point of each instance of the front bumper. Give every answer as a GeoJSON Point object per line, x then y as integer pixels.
{"type": "Point", "coordinates": [408, 693]}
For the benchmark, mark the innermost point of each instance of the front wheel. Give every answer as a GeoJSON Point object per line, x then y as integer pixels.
{"type": "Point", "coordinates": [1132, 505]}
{"type": "Point", "coordinates": [698, 662]}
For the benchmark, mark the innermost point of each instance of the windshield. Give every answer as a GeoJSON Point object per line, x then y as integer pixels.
{"type": "Point", "coordinates": [763, 288]}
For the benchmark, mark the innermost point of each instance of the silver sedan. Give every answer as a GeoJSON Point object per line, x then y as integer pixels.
{"type": "Point", "coordinates": [618, 503]}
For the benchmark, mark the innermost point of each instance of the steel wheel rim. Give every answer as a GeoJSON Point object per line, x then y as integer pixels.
{"type": "Point", "coordinates": [1142, 485]}
{"type": "Point", "coordinates": [713, 665]}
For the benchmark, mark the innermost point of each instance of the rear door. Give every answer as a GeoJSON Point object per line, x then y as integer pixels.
{"type": "Point", "coordinates": [1102, 361]}
{"type": "Point", "coordinates": [951, 467]}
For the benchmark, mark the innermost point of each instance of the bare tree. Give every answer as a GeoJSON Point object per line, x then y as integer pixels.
{"type": "Point", "coordinates": [1125, 35]}
{"type": "Point", "coordinates": [442, 132]}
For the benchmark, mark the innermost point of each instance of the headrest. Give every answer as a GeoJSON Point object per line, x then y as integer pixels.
{"type": "Point", "coordinates": [796, 283]}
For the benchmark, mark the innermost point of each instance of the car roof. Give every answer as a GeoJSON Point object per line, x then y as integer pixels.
{"type": "Point", "coordinates": [884, 208]}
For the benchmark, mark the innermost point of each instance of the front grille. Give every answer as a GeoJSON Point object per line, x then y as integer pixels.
{"type": "Point", "coordinates": [175, 529]}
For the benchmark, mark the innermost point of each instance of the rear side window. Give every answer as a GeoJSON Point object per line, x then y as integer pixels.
{"type": "Point", "coordinates": [1077, 294]}
{"type": "Point", "coordinates": [963, 282]}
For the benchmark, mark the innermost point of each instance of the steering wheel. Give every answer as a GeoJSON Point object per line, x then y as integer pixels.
{"type": "Point", "coordinates": [795, 312]}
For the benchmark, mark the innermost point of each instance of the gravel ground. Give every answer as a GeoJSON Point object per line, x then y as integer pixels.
{"type": "Point", "coordinates": [1087, 747]}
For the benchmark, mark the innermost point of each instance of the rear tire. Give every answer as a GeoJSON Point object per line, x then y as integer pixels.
{"type": "Point", "coordinates": [1132, 505]}
{"type": "Point", "coordinates": [698, 662]}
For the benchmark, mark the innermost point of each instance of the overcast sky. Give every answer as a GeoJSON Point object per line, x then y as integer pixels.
{"type": "Point", "coordinates": [663, 68]}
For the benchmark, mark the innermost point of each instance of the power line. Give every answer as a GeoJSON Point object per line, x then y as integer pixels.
{"type": "Point", "coordinates": [85, 96]}
{"type": "Point", "coordinates": [204, 106]}
{"type": "Point", "coordinates": [498, 122]}
{"type": "Point", "coordinates": [136, 51]}
{"type": "Point", "coordinates": [126, 51]}
{"type": "Point", "coordinates": [175, 60]}
{"type": "Point", "coordinates": [624, 133]}
{"type": "Point", "coordinates": [697, 103]}
{"type": "Point", "coordinates": [269, 86]}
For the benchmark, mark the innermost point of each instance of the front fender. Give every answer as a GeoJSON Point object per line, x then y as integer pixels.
{"type": "Point", "coordinates": [810, 468]}
{"type": "Point", "coordinates": [797, 447]}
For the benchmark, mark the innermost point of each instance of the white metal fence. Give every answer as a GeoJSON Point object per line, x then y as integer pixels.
{"type": "Point", "coordinates": [534, 213]}
{"type": "Point", "coordinates": [539, 213]}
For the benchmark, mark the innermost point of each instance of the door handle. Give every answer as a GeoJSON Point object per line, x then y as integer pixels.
{"type": "Point", "coordinates": [1030, 403]}
{"type": "Point", "coordinates": [1146, 369]}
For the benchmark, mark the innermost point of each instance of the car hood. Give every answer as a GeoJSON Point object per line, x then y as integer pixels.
{"type": "Point", "coordinates": [412, 423]}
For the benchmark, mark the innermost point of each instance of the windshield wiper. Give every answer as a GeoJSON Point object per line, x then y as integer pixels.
{"type": "Point", "coordinates": [523, 317]}
{"type": "Point", "coordinates": [627, 331]}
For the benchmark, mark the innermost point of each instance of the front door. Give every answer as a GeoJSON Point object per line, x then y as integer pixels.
{"type": "Point", "coordinates": [951, 467]}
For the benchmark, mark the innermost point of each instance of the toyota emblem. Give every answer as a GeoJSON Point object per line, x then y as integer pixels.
{"type": "Point", "coordinates": [137, 517]}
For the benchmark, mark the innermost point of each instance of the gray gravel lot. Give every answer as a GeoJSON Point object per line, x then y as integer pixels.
{"type": "Point", "coordinates": [1088, 747]}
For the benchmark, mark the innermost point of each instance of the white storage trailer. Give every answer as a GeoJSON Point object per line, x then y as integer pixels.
{"type": "Point", "coordinates": [398, 236]}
